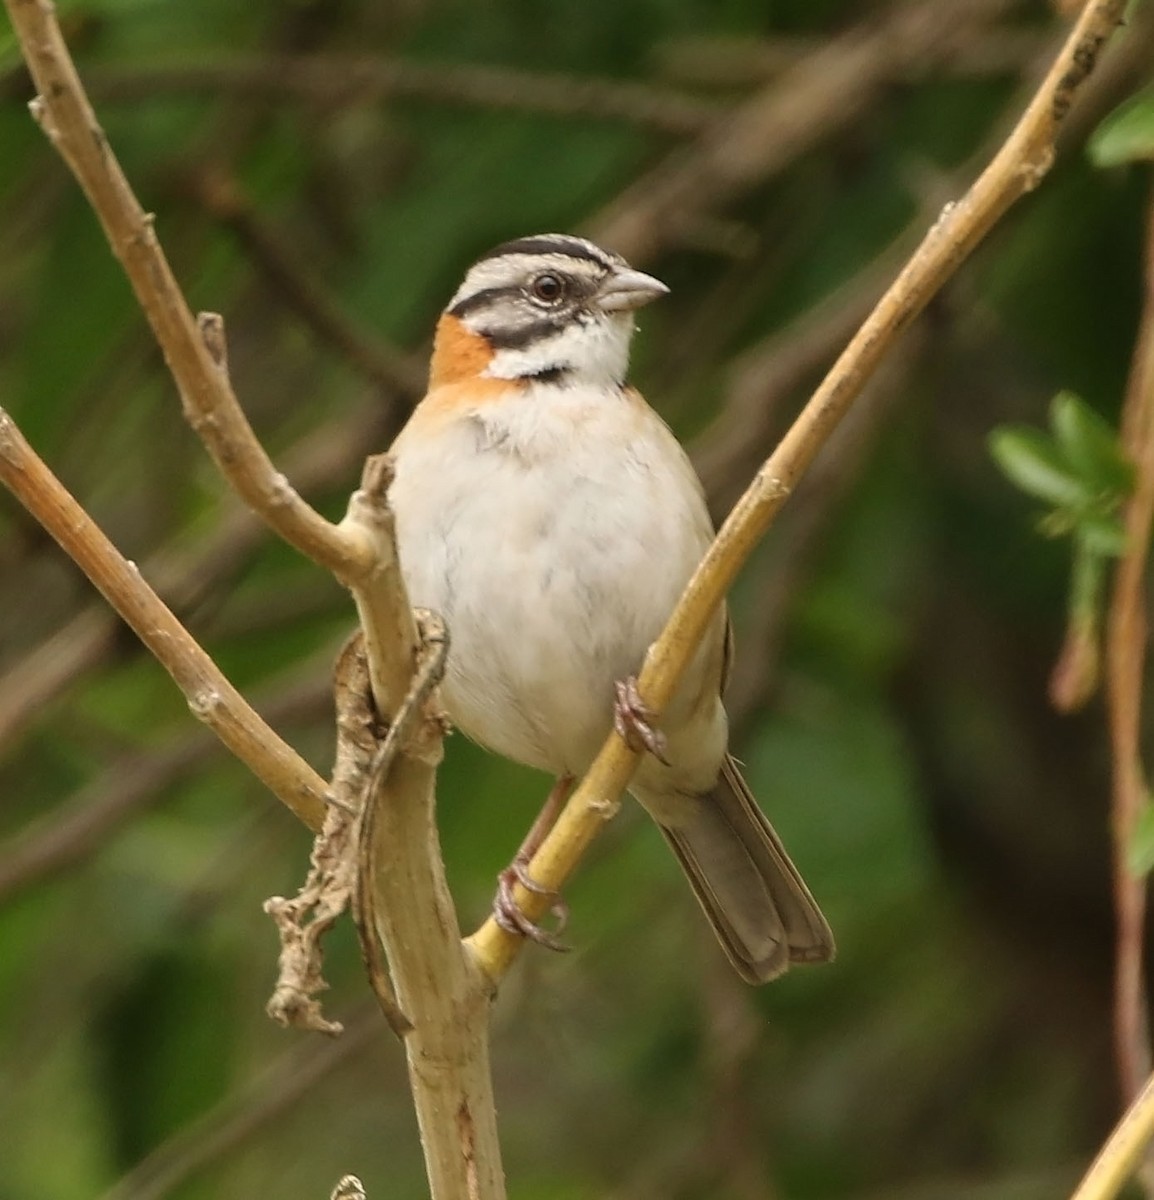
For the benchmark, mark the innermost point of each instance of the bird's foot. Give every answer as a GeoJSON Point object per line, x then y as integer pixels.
{"type": "Point", "coordinates": [506, 911]}
{"type": "Point", "coordinates": [634, 721]}
{"type": "Point", "coordinates": [511, 917]}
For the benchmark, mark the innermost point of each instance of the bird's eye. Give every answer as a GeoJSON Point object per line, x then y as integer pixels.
{"type": "Point", "coordinates": [548, 288]}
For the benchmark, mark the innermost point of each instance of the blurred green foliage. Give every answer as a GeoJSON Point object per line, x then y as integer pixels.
{"type": "Point", "coordinates": [892, 714]}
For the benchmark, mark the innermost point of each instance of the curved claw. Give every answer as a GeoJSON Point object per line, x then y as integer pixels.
{"type": "Point", "coordinates": [633, 719]}
{"type": "Point", "coordinates": [509, 915]}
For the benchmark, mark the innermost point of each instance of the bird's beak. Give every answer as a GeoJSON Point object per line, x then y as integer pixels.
{"type": "Point", "coordinates": [627, 289]}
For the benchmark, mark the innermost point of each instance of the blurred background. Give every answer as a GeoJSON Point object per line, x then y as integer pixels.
{"type": "Point", "coordinates": [322, 172]}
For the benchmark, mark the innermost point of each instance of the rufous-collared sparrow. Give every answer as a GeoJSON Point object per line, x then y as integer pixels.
{"type": "Point", "coordinates": [552, 519]}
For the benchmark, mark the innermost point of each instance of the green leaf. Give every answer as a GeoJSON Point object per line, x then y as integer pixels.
{"type": "Point", "coordinates": [1102, 536]}
{"type": "Point", "coordinates": [1090, 445]}
{"type": "Point", "coordinates": [1032, 461]}
{"type": "Point", "coordinates": [1057, 523]}
{"type": "Point", "coordinates": [1127, 134]}
{"type": "Point", "coordinates": [1140, 852]}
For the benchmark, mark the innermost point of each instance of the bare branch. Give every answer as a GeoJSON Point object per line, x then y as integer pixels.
{"type": "Point", "coordinates": [1018, 167]}
{"type": "Point", "coordinates": [357, 551]}
{"type": "Point", "coordinates": [66, 117]}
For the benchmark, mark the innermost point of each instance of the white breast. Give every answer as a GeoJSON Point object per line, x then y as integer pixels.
{"type": "Point", "coordinates": [553, 529]}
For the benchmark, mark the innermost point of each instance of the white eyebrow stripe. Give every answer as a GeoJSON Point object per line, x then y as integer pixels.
{"type": "Point", "coordinates": [507, 272]}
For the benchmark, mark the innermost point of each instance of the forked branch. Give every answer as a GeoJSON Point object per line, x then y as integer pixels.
{"type": "Point", "coordinates": [194, 349]}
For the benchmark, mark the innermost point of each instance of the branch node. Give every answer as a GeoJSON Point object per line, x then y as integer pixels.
{"type": "Point", "coordinates": [1034, 169]}
{"type": "Point", "coordinates": [42, 115]}
{"type": "Point", "coordinates": [377, 476]}
{"type": "Point", "coordinates": [9, 441]}
{"type": "Point", "coordinates": [280, 492]}
{"type": "Point", "coordinates": [770, 485]}
{"type": "Point", "coordinates": [349, 1187]}
{"type": "Point", "coordinates": [1084, 56]}
{"type": "Point", "coordinates": [211, 327]}
{"type": "Point", "coordinates": [205, 704]}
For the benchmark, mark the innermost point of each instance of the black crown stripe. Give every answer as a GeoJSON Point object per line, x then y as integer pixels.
{"type": "Point", "coordinates": [553, 243]}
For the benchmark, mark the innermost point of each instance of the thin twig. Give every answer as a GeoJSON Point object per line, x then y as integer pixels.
{"type": "Point", "coordinates": [63, 111]}
{"type": "Point", "coordinates": [1017, 168]}
{"type": "Point", "coordinates": [1125, 658]}
{"type": "Point", "coordinates": [211, 698]}
{"type": "Point", "coordinates": [332, 880]}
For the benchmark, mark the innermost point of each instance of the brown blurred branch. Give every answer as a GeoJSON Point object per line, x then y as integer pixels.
{"type": "Point", "coordinates": [347, 80]}
{"type": "Point", "coordinates": [1126, 640]}
{"type": "Point", "coordinates": [386, 367]}
{"type": "Point", "coordinates": [823, 92]}
{"type": "Point", "coordinates": [238, 1118]}
{"type": "Point", "coordinates": [1016, 169]}
{"type": "Point", "coordinates": [70, 833]}
{"type": "Point", "coordinates": [733, 1031]}
{"type": "Point", "coordinates": [761, 379]}
{"type": "Point", "coordinates": [801, 533]}
{"type": "Point", "coordinates": [183, 577]}
{"type": "Point", "coordinates": [211, 698]}
{"type": "Point", "coordinates": [730, 62]}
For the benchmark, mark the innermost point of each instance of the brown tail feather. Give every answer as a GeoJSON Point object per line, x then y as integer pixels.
{"type": "Point", "coordinates": [759, 906]}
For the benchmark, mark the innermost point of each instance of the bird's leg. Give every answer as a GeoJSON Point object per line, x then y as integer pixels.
{"type": "Point", "coordinates": [633, 719]}
{"type": "Point", "coordinates": [506, 911]}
